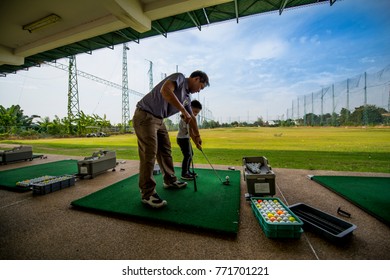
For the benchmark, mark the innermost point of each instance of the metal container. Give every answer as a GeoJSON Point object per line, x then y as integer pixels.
{"type": "Point", "coordinates": [99, 162]}
{"type": "Point", "coordinates": [16, 154]}
{"type": "Point", "coordinates": [259, 177]}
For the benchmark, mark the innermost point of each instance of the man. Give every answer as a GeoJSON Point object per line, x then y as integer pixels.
{"type": "Point", "coordinates": [170, 96]}
{"type": "Point", "coordinates": [183, 140]}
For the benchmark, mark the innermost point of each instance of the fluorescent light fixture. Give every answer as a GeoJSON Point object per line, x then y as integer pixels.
{"type": "Point", "coordinates": [41, 23]}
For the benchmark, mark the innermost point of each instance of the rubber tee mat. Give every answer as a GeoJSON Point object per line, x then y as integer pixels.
{"type": "Point", "coordinates": [9, 178]}
{"type": "Point", "coordinates": [372, 194]}
{"type": "Point", "coordinates": [213, 206]}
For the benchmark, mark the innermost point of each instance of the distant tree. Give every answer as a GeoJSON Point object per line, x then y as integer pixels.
{"type": "Point", "coordinates": [131, 123]}
{"type": "Point", "coordinates": [103, 122]}
{"type": "Point", "coordinates": [56, 127]}
{"type": "Point", "coordinates": [170, 125]}
{"type": "Point", "coordinates": [235, 124]}
{"type": "Point", "coordinates": [13, 120]}
{"type": "Point", "coordinates": [369, 113]}
{"type": "Point", "coordinates": [335, 119]}
{"type": "Point", "coordinates": [210, 124]}
{"type": "Point", "coordinates": [312, 119]}
{"type": "Point", "coordinates": [225, 125]}
{"type": "Point", "coordinates": [43, 124]}
{"type": "Point", "coordinates": [326, 119]}
{"type": "Point", "coordinates": [344, 118]}
{"type": "Point", "coordinates": [259, 122]}
{"type": "Point", "coordinates": [288, 122]}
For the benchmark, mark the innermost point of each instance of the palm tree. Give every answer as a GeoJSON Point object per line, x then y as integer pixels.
{"type": "Point", "coordinates": [43, 124]}
{"type": "Point", "coordinates": [102, 122]}
{"type": "Point", "coordinates": [13, 120]}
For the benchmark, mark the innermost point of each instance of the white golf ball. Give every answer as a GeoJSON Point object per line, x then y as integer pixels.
{"type": "Point", "coordinates": [227, 178]}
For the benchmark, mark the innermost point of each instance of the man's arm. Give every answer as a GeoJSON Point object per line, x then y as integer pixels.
{"type": "Point", "coordinates": [194, 132]}
{"type": "Point", "coordinates": [167, 92]}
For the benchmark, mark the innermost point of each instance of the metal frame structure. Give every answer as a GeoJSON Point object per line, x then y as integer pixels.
{"type": "Point", "coordinates": [233, 10]}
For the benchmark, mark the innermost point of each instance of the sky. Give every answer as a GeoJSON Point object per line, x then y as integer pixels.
{"type": "Point", "coordinates": [256, 67]}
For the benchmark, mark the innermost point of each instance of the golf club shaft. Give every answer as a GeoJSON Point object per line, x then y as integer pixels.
{"type": "Point", "coordinates": [193, 170]}
{"type": "Point", "coordinates": [211, 166]}
{"type": "Point", "coordinates": [192, 160]}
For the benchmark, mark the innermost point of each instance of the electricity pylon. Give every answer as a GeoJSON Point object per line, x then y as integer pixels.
{"type": "Point", "coordinates": [125, 91]}
{"type": "Point", "coordinates": [150, 72]}
{"type": "Point", "coordinates": [73, 92]}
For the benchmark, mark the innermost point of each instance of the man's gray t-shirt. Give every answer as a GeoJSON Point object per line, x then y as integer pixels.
{"type": "Point", "coordinates": [155, 103]}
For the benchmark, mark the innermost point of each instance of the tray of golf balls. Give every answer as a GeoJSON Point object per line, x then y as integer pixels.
{"type": "Point", "coordinates": [53, 184]}
{"type": "Point", "coordinates": [29, 182]}
{"type": "Point", "coordinates": [275, 218]}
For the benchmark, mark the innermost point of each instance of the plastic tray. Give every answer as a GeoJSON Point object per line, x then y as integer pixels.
{"type": "Point", "coordinates": [28, 183]}
{"type": "Point", "coordinates": [281, 229]}
{"type": "Point", "coordinates": [54, 184]}
{"type": "Point", "coordinates": [323, 223]}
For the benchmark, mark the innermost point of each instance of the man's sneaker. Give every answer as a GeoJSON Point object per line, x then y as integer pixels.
{"type": "Point", "coordinates": [193, 174]}
{"type": "Point", "coordinates": [187, 177]}
{"type": "Point", "coordinates": [154, 201]}
{"type": "Point", "coordinates": [176, 185]}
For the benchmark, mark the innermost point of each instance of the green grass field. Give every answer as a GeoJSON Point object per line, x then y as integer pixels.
{"type": "Point", "coordinates": [339, 149]}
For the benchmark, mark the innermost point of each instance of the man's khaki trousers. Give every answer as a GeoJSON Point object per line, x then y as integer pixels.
{"type": "Point", "coordinates": [153, 144]}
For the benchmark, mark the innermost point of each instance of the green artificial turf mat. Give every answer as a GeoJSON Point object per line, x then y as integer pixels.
{"type": "Point", "coordinates": [372, 194]}
{"type": "Point", "coordinates": [9, 178]}
{"type": "Point", "coordinates": [213, 206]}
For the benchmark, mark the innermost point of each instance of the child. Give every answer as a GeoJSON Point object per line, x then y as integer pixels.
{"type": "Point", "coordinates": [183, 140]}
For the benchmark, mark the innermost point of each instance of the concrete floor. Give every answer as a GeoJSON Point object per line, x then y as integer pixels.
{"type": "Point", "coordinates": [48, 227]}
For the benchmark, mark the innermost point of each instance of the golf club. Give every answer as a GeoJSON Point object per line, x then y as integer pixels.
{"type": "Point", "coordinates": [192, 160]}
{"type": "Point", "coordinates": [193, 170]}
{"type": "Point", "coordinates": [226, 182]}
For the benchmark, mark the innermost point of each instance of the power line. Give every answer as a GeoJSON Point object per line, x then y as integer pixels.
{"type": "Point", "coordinates": [208, 115]}
{"type": "Point", "coordinates": [64, 67]}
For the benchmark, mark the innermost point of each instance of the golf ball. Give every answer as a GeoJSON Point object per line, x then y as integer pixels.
{"type": "Point", "coordinates": [227, 178]}
{"type": "Point", "coordinates": [272, 211]}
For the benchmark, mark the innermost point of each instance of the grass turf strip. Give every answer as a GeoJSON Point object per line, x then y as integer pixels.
{"type": "Point", "coordinates": [372, 194]}
{"type": "Point", "coordinates": [9, 178]}
{"type": "Point", "coordinates": [213, 206]}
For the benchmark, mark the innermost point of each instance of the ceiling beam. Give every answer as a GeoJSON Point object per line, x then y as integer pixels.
{"type": "Point", "coordinates": [196, 23]}
{"type": "Point", "coordinates": [236, 9]}
{"type": "Point", "coordinates": [206, 16]}
{"type": "Point", "coordinates": [106, 44]}
{"type": "Point", "coordinates": [131, 13]}
{"type": "Point", "coordinates": [8, 57]}
{"type": "Point", "coordinates": [97, 27]}
{"type": "Point", "coordinates": [281, 8]}
{"type": "Point", "coordinates": [166, 8]}
{"type": "Point", "coordinates": [162, 31]}
{"type": "Point", "coordinates": [125, 36]}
